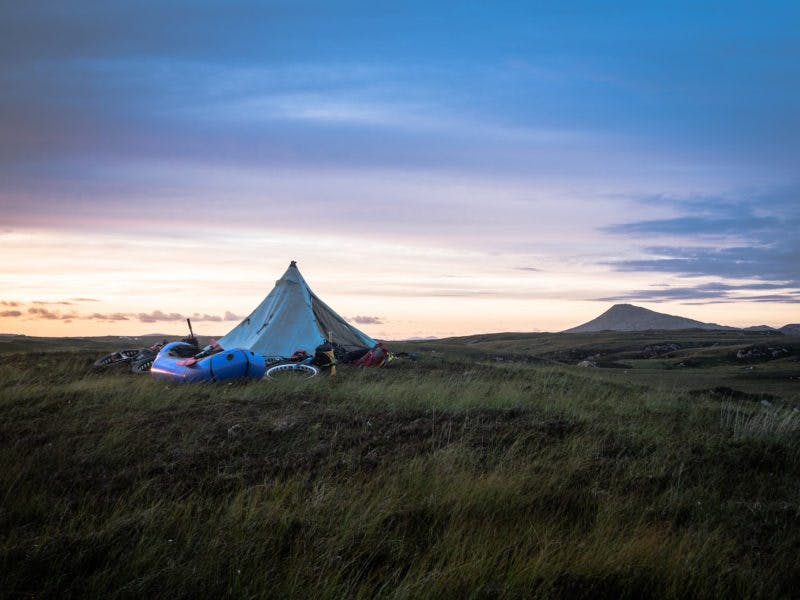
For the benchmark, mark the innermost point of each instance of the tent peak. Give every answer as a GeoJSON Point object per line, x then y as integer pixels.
{"type": "Point", "coordinates": [292, 317]}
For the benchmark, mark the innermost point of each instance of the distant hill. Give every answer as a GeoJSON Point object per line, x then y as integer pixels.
{"type": "Point", "coordinates": [627, 317]}
{"type": "Point", "coordinates": [790, 329]}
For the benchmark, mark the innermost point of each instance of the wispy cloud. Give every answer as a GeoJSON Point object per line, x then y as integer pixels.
{"type": "Point", "coordinates": [228, 316]}
{"type": "Point", "coordinates": [775, 262]}
{"type": "Point", "coordinates": [110, 317]}
{"type": "Point", "coordinates": [206, 317]}
{"type": "Point", "coordinates": [365, 320]}
{"type": "Point", "coordinates": [155, 316]}
{"type": "Point", "coordinates": [752, 237]}
{"type": "Point", "coordinates": [50, 315]}
{"type": "Point", "coordinates": [709, 293]}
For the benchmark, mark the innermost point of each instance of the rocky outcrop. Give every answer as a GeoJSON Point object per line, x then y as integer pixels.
{"type": "Point", "coordinates": [759, 353]}
{"type": "Point", "coordinates": [654, 350]}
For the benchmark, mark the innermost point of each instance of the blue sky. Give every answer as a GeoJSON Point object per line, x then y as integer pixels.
{"type": "Point", "coordinates": [520, 151]}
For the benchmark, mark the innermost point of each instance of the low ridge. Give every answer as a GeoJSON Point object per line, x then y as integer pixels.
{"type": "Point", "coordinates": [627, 317]}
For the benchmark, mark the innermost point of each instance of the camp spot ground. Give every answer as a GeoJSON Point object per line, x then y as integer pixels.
{"type": "Point", "coordinates": [492, 467]}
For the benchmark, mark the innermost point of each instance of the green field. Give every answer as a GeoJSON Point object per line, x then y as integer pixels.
{"type": "Point", "coordinates": [492, 467]}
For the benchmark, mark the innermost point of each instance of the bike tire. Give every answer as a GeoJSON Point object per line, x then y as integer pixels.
{"type": "Point", "coordinates": [295, 369]}
{"type": "Point", "coordinates": [142, 366]}
{"type": "Point", "coordinates": [116, 357]}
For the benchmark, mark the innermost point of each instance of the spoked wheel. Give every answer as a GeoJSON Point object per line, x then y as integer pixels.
{"type": "Point", "coordinates": [293, 370]}
{"type": "Point", "coordinates": [141, 364]}
{"type": "Point", "coordinates": [116, 357]}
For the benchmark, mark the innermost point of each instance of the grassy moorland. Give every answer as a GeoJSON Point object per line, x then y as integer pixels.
{"type": "Point", "coordinates": [486, 469]}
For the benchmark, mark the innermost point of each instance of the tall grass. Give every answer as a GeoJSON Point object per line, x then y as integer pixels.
{"type": "Point", "coordinates": [764, 420]}
{"type": "Point", "coordinates": [436, 479]}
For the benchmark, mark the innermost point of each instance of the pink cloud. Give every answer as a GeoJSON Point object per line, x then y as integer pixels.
{"type": "Point", "coordinates": [212, 318]}
{"type": "Point", "coordinates": [228, 316]}
{"type": "Point", "coordinates": [51, 315]}
{"type": "Point", "coordinates": [364, 320]}
{"type": "Point", "coordinates": [109, 317]}
{"type": "Point", "coordinates": [157, 315]}
{"type": "Point", "coordinates": [43, 313]}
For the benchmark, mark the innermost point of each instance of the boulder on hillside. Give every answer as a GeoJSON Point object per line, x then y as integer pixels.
{"type": "Point", "coordinates": [654, 350]}
{"type": "Point", "coordinates": [761, 353]}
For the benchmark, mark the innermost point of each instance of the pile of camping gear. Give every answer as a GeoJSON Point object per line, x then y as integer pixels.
{"type": "Point", "coordinates": [291, 332]}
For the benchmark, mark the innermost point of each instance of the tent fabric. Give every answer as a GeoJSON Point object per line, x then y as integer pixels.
{"type": "Point", "coordinates": [291, 318]}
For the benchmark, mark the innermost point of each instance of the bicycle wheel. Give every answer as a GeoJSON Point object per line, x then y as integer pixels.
{"type": "Point", "coordinates": [296, 370]}
{"type": "Point", "coordinates": [116, 357]}
{"type": "Point", "coordinates": [142, 366]}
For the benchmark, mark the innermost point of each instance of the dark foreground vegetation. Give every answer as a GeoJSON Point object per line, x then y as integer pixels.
{"type": "Point", "coordinates": [485, 471]}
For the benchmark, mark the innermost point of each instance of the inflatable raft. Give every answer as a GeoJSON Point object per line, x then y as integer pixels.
{"type": "Point", "coordinates": [175, 364]}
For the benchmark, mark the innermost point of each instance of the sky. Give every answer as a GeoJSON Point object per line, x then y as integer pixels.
{"type": "Point", "coordinates": [436, 168]}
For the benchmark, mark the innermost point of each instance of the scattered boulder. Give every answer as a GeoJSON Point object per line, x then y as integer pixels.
{"type": "Point", "coordinates": [654, 350]}
{"type": "Point", "coordinates": [761, 353]}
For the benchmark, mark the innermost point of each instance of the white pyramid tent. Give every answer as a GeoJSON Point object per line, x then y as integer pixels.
{"type": "Point", "coordinates": [292, 318]}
